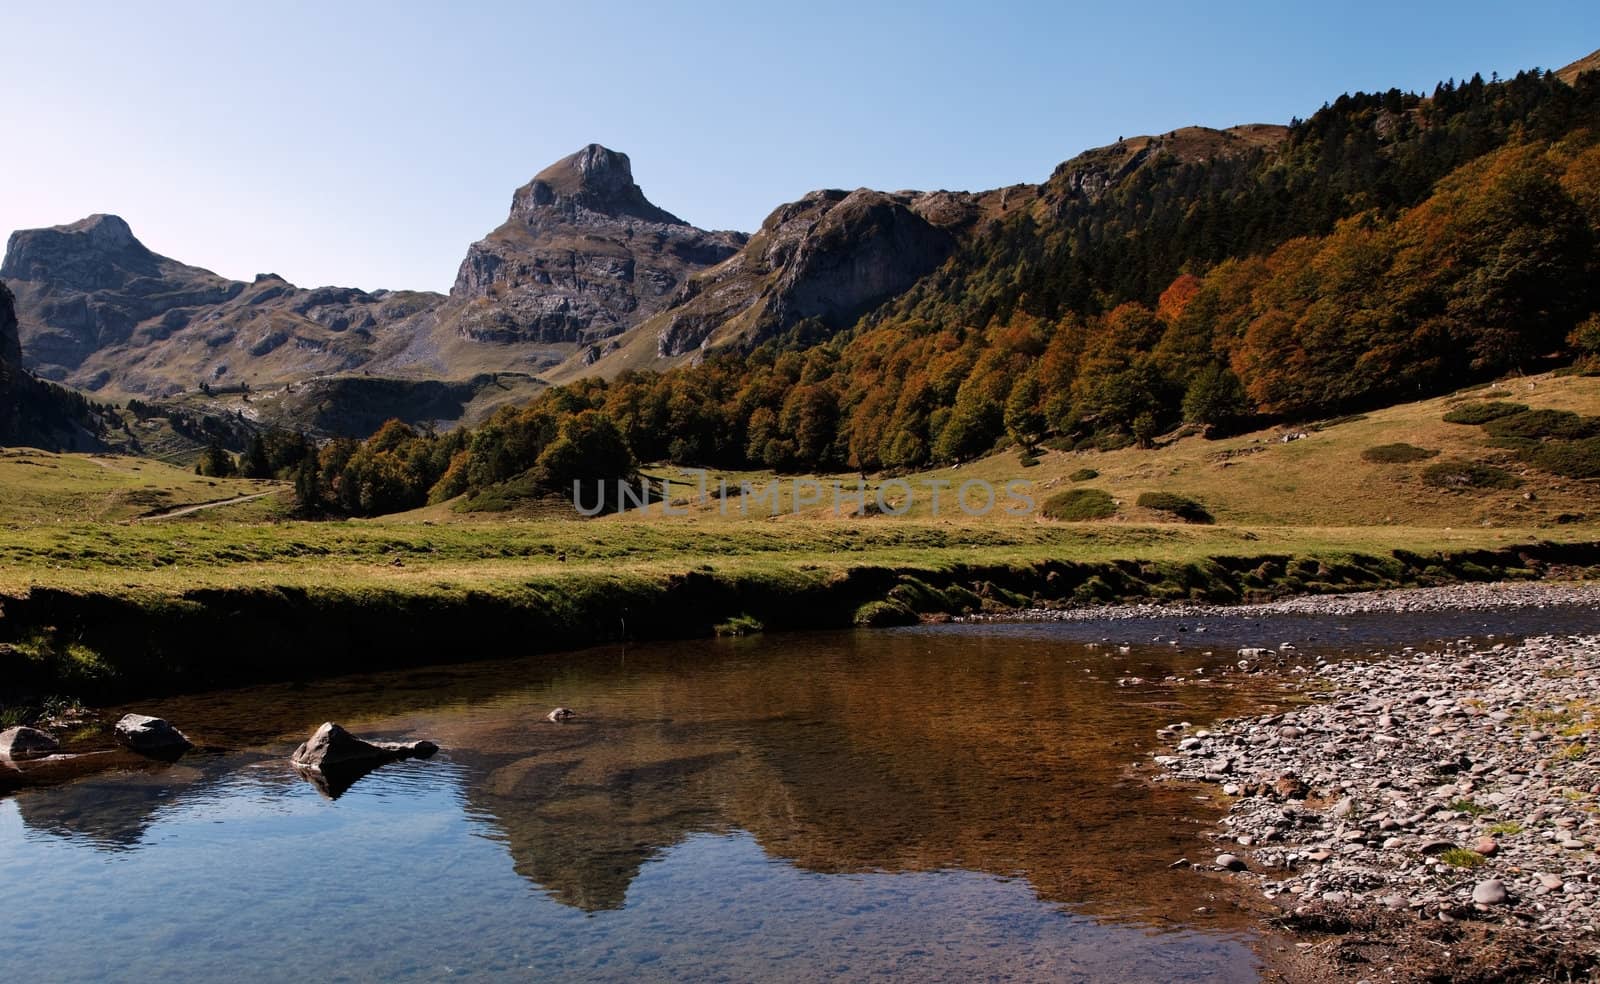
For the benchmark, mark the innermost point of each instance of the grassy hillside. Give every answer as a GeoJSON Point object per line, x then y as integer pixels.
{"type": "Point", "coordinates": [43, 489]}
{"type": "Point", "coordinates": [97, 603]}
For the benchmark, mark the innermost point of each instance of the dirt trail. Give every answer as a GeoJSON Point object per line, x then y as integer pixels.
{"type": "Point", "coordinates": [186, 510]}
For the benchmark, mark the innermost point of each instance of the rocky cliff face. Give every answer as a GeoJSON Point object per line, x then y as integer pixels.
{"type": "Point", "coordinates": [582, 256]}
{"type": "Point", "coordinates": [829, 256]}
{"type": "Point", "coordinates": [10, 365]}
{"type": "Point", "coordinates": [825, 260]}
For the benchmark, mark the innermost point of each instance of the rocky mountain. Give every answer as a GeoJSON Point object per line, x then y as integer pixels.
{"type": "Point", "coordinates": [821, 261]}
{"type": "Point", "coordinates": [832, 256]}
{"type": "Point", "coordinates": [583, 255]}
{"type": "Point", "coordinates": [100, 311]}
{"type": "Point", "coordinates": [588, 277]}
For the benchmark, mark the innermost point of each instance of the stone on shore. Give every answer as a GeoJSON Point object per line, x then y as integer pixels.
{"type": "Point", "coordinates": [1491, 892]}
{"type": "Point", "coordinates": [151, 736]}
{"type": "Point", "coordinates": [18, 744]}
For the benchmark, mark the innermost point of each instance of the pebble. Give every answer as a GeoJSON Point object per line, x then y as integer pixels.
{"type": "Point", "coordinates": [1491, 892]}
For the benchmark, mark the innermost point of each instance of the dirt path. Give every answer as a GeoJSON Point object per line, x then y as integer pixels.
{"type": "Point", "coordinates": [186, 510]}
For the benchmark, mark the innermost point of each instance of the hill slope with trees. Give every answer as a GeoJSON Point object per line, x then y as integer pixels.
{"type": "Point", "coordinates": [1388, 247]}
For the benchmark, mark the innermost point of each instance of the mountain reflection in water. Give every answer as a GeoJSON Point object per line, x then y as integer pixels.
{"type": "Point", "coordinates": [749, 794]}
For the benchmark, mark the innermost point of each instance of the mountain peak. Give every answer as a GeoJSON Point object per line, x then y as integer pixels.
{"type": "Point", "coordinates": [99, 241]}
{"type": "Point", "coordinates": [596, 179]}
{"type": "Point", "coordinates": [105, 230]}
{"type": "Point", "coordinates": [594, 170]}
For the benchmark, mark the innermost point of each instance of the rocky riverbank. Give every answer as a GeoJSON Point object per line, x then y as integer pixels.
{"type": "Point", "coordinates": [1455, 786]}
{"type": "Point", "coordinates": [1452, 597]}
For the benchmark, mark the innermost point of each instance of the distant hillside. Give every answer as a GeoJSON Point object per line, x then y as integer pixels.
{"type": "Point", "coordinates": [1588, 63]}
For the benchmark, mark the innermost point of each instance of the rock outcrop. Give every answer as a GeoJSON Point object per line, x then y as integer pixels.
{"type": "Point", "coordinates": [333, 759]}
{"type": "Point", "coordinates": [829, 256]}
{"type": "Point", "coordinates": [582, 256]}
{"type": "Point", "coordinates": [151, 736]}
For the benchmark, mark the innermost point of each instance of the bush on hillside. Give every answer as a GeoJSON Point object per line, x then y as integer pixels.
{"type": "Point", "coordinates": [1538, 425]}
{"type": "Point", "coordinates": [1397, 454]}
{"type": "Point", "coordinates": [1570, 459]}
{"type": "Point", "coordinates": [1459, 475]}
{"type": "Point", "coordinates": [1083, 475]}
{"type": "Point", "coordinates": [1184, 508]}
{"type": "Point", "coordinates": [1077, 505]}
{"type": "Point", "coordinates": [1482, 413]}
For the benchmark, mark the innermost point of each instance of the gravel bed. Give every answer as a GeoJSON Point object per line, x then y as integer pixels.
{"type": "Point", "coordinates": [1458, 783]}
{"type": "Point", "coordinates": [1453, 597]}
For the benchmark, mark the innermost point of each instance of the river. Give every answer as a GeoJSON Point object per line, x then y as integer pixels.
{"type": "Point", "coordinates": [938, 802]}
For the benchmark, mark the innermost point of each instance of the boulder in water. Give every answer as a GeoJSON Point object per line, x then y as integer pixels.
{"type": "Point", "coordinates": [26, 743]}
{"type": "Point", "coordinates": [332, 747]}
{"type": "Point", "coordinates": [151, 736]}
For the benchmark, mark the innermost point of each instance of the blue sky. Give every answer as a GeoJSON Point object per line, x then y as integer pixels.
{"type": "Point", "coordinates": [367, 144]}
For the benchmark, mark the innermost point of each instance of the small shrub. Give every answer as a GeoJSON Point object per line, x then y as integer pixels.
{"type": "Point", "coordinates": [1111, 440]}
{"type": "Point", "coordinates": [1028, 459]}
{"type": "Point", "coordinates": [1570, 459]}
{"type": "Point", "coordinates": [1184, 508]}
{"type": "Point", "coordinates": [1482, 413]}
{"type": "Point", "coordinates": [1536, 425]}
{"type": "Point", "coordinates": [1093, 590]}
{"type": "Point", "coordinates": [740, 625]}
{"type": "Point", "coordinates": [1460, 857]}
{"type": "Point", "coordinates": [1573, 752]}
{"type": "Point", "coordinates": [1077, 505]}
{"type": "Point", "coordinates": [883, 614]}
{"type": "Point", "coordinates": [1083, 475]}
{"type": "Point", "coordinates": [1397, 454]}
{"type": "Point", "coordinates": [1507, 828]}
{"type": "Point", "coordinates": [1470, 807]}
{"type": "Point", "coordinates": [1468, 475]}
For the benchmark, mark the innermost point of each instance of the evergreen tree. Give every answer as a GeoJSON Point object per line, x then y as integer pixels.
{"type": "Point", "coordinates": [215, 461]}
{"type": "Point", "coordinates": [254, 464]}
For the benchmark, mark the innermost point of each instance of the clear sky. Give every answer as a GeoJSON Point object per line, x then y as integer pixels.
{"type": "Point", "coordinates": [367, 144]}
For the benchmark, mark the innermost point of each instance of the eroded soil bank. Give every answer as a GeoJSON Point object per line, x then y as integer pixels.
{"type": "Point", "coordinates": [102, 646]}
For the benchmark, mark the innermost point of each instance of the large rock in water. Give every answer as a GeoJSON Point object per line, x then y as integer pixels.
{"type": "Point", "coordinates": [17, 744]}
{"type": "Point", "coordinates": [151, 736]}
{"type": "Point", "coordinates": [333, 748]}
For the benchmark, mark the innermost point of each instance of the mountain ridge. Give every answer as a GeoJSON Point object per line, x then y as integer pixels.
{"type": "Point", "coordinates": [587, 277]}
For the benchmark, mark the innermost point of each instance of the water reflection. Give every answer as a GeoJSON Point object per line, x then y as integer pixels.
{"type": "Point", "coordinates": [802, 806]}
